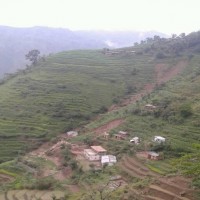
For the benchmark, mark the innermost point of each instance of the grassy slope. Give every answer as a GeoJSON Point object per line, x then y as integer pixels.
{"type": "Point", "coordinates": [115, 72]}
{"type": "Point", "coordinates": [63, 92]}
{"type": "Point", "coordinates": [180, 131]}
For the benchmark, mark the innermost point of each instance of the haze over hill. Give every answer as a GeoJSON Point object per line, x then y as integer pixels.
{"type": "Point", "coordinates": [16, 42]}
{"type": "Point", "coordinates": [104, 91]}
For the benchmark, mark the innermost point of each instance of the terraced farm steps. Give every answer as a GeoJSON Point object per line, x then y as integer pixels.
{"type": "Point", "coordinates": [141, 167]}
{"type": "Point", "coordinates": [30, 195]}
{"type": "Point", "coordinates": [165, 194]}
{"type": "Point", "coordinates": [163, 189]}
{"type": "Point", "coordinates": [148, 197]}
{"type": "Point", "coordinates": [129, 171]}
{"type": "Point", "coordinates": [175, 188]}
{"type": "Point", "coordinates": [133, 167]}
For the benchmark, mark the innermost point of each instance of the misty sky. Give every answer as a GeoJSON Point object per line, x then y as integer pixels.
{"type": "Point", "coordinates": [168, 16]}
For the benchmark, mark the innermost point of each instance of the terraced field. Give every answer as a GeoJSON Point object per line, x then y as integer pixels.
{"type": "Point", "coordinates": [30, 195]}
{"type": "Point", "coordinates": [71, 88]}
{"type": "Point", "coordinates": [160, 187]}
{"type": "Point", "coordinates": [64, 92]}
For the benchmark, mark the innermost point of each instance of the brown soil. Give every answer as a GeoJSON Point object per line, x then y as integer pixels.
{"type": "Point", "coordinates": [5, 178]}
{"type": "Point", "coordinates": [148, 88]}
{"type": "Point", "coordinates": [163, 73]}
{"type": "Point", "coordinates": [52, 149]}
{"type": "Point", "coordinates": [52, 152]}
{"type": "Point", "coordinates": [165, 188]}
{"type": "Point", "coordinates": [109, 126]}
{"type": "Point", "coordinates": [73, 188]}
{"type": "Point", "coordinates": [63, 174]}
{"type": "Point", "coordinates": [137, 168]}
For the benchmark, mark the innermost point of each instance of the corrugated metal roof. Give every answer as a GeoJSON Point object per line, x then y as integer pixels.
{"type": "Point", "coordinates": [98, 149]}
{"type": "Point", "coordinates": [90, 152]}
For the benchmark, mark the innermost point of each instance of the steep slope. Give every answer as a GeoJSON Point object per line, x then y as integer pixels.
{"type": "Point", "coordinates": [71, 87]}
{"type": "Point", "coordinates": [62, 93]}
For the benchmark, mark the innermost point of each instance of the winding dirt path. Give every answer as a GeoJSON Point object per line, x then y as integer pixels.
{"type": "Point", "coordinates": [109, 126]}
{"type": "Point", "coordinates": [163, 73]}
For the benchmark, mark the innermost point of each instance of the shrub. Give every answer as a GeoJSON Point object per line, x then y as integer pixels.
{"type": "Point", "coordinates": [160, 55]}
{"type": "Point", "coordinates": [103, 109]}
{"type": "Point", "coordinates": [44, 184]}
{"type": "Point", "coordinates": [73, 164]}
{"type": "Point", "coordinates": [186, 110]}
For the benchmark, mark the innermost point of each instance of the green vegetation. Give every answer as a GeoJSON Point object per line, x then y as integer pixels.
{"type": "Point", "coordinates": [190, 164]}
{"type": "Point", "coordinates": [33, 56]}
{"type": "Point", "coordinates": [69, 89]}
{"type": "Point", "coordinates": [62, 93]}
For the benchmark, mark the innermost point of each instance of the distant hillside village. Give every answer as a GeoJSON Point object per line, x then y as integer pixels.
{"type": "Point", "coordinates": [99, 156]}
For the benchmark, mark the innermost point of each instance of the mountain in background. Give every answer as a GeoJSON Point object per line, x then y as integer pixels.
{"type": "Point", "coordinates": [16, 42]}
{"type": "Point", "coordinates": [148, 89]}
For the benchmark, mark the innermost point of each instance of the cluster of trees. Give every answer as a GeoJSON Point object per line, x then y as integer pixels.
{"type": "Point", "coordinates": [33, 56]}
{"type": "Point", "coordinates": [174, 46]}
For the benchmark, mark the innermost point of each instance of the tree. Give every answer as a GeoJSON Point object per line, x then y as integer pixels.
{"type": "Point", "coordinates": [174, 36]}
{"type": "Point", "coordinates": [156, 38]}
{"type": "Point", "coordinates": [185, 110]}
{"type": "Point", "coordinates": [33, 56]}
{"type": "Point", "coordinates": [182, 35]}
{"type": "Point", "coordinates": [160, 55]}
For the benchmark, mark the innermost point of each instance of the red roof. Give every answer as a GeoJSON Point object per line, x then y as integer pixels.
{"type": "Point", "coordinates": [98, 149]}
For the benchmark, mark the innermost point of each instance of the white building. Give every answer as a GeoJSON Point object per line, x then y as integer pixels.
{"type": "Point", "coordinates": [159, 139]}
{"type": "Point", "coordinates": [150, 107]}
{"type": "Point", "coordinates": [94, 153]}
{"type": "Point", "coordinates": [123, 133]}
{"type": "Point", "coordinates": [135, 140]}
{"type": "Point", "coordinates": [72, 133]}
{"type": "Point", "coordinates": [99, 150]}
{"type": "Point", "coordinates": [91, 155]}
{"type": "Point", "coordinates": [108, 160]}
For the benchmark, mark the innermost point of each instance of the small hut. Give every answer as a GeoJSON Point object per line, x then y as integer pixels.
{"type": "Point", "coordinates": [153, 155]}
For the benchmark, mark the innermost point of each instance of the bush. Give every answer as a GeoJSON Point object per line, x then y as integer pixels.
{"type": "Point", "coordinates": [160, 55]}
{"type": "Point", "coordinates": [103, 109]}
{"type": "Point", "coordinates": [73, 164]}
{"type": "Point", "coordinates": [45, 184]}
{"type": "Point", "coordinates": [186, 110]}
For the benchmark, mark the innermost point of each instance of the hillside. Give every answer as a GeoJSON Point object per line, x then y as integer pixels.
{"type": "Point", "coordinates": [105, 91]}
{"type": "Point", "coordinates": [64, 92]}
{"type": "Point", "coordinates": [16, 42]}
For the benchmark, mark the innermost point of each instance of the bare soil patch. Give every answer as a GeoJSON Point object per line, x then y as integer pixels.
{"type": "Point", "coordinates": [109, 126]}
{"type": "Point", "coordinates": [52, 152]}
{"type": "Point", "coordinates": [162, 187]}
{"type": "Point", "coordinates": [163, 73]}
{"type": "Point", "coordinates": [5, 178]}
{"type": "Point", "coordinates": [74, 188]}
